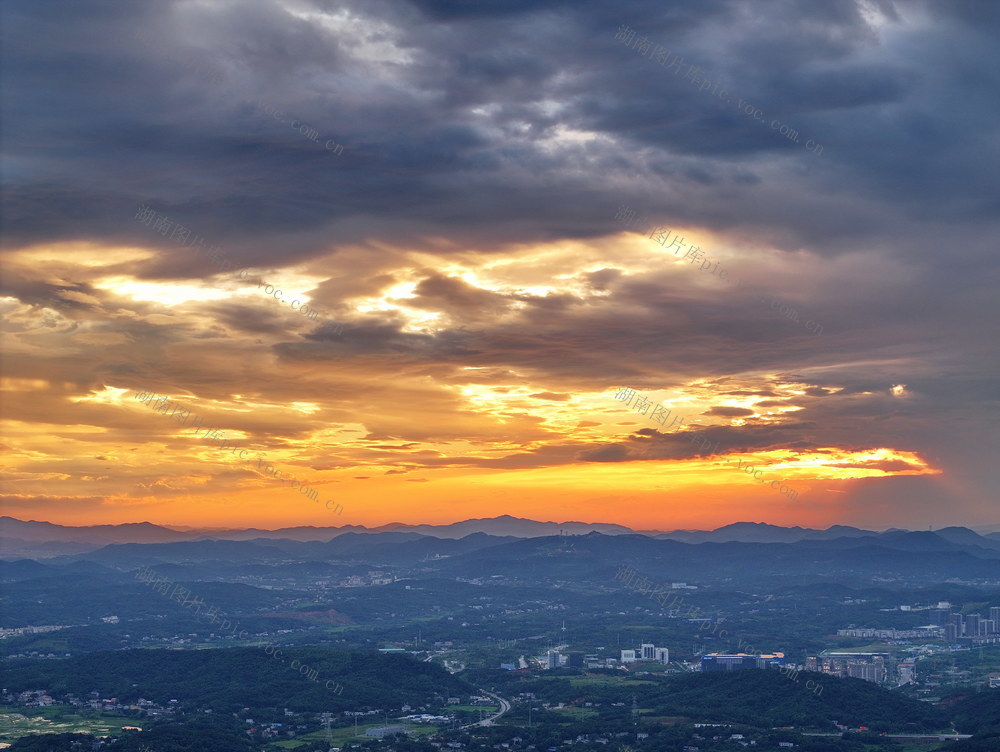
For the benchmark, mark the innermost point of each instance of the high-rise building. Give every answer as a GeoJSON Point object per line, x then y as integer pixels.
{"type": "Point", "coordinates": [648, 651]}
{"type": "Point", "coordinates": [907, 672]}
{"type": "Point", "coordinates": [972, 625]}
{"type": "Point", "coordinates": [995, 617]}
{"type": "Point", "coordinates": [873, 671]}
{"type": "Point", "coordinates": [952, 633]}
{"type": "Point", "coordinates": [553, 659]}
{"type": "Point", "coordinates": [662, 655]}
{"type": "Point", "coordinates": [958, 622]}
{"type": "Point", "coordinates": [873, 667]}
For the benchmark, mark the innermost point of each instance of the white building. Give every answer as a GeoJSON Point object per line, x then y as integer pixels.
{"type": "Point", "coordinates": [628, 656]}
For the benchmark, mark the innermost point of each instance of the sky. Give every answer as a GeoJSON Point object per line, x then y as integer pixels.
{"type": "Point", "coordinates": [775, 221]}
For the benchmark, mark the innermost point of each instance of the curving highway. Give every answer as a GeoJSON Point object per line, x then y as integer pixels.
{"type": "Point", "coordinates": [504, 707]}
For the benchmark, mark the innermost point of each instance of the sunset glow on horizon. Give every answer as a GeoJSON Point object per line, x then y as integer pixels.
{"type": "Point", "coordinates": [484, 282]}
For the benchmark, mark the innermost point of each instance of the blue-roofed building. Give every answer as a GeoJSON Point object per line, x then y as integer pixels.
{"type": "Point", "coordinates": [739, 661]}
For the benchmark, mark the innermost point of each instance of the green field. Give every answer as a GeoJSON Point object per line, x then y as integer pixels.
{"type": "Point", "coordinates": [57, 721]}
{"type": "Point", "coordinates": [667, 720]}
{"type": "Point", "coordinates": [600, 679]}
{"type": "Point", "coordinates": [575, 713]}
{"type": "Point", "coordinates": [340, 736]}
{"type": "Point", "coordinates": [474, 708]}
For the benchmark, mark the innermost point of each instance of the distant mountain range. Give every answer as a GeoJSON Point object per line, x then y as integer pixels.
{"type": "Point", "coordinates": [38, 540]}
{"type": "Point", "coordinates": [761, 532]}
{"type": "Point", "coordinates": [589, 560]}
{"type": "Point", "coordinates": [13, 531]}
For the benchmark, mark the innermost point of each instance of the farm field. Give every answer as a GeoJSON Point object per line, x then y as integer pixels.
{"type": "Point", "coordinates": [55, 721]}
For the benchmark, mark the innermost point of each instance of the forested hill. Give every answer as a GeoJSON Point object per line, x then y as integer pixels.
{"type": "Point", "coordinates": [230, 679]}
{"type": "Point", "coordinates": [770, 698]}
{"type": "Point", "coordinates": [763, 699]}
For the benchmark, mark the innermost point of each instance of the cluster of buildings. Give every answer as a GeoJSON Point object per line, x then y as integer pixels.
{"type": "Point", "coordinates": [19, 631]}
{"type": "Point", "coordinates": [739, 661]}
{"type": "Point", "coordinates": [945, 622]}
{"type": "Point", "coordinates": [40, 698]}
{"type": "Point", "coordinates": [428, 718]}
{"type": "Point", "coordinates": [873, 667]}
{"type": "Point", "coordinates": [646, 652]}
{"type": "Point", "coordinates": [555, 659]}
{"type": "Point", "coordinates": [371, 578]}
{"type": "Point", "coordinates": [32, 698]}
{"type": "Point", "coordinates": [973, 627]}
{"type": "Point", "coordinates": [919, 633]}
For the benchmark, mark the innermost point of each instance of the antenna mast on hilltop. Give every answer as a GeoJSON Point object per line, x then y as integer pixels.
{"type": "Point", "coordinates": [329, 734]}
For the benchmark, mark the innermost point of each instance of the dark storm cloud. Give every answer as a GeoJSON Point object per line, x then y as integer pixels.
{"type": "Point", "coordinates": [120, 114]}
{"type": "Point", "coordinates": [24, 503]}
{"type": "Point", "coordinates": [438, 292]}
{"type": "Point", "coordinates": [817, 391]}
{"type": "Point", "coordinates": [451, 10]}
{"type": "Point", "coordinates": [551, 396]}
{"type": "Point", "coordinates": [372, 337]}
{"type": "Point", "coordinates": [600, 280]}
{"type": "Point", "coordinates": [247, 319]}
{"type": "Point", "coordinates": [729, 412]}
{"type": "Point", "coordinates": [612, 453]}
{"type": "Point", "coordinates": [35, 292]}
{"type": "Point", "coordinates": [650, 444]}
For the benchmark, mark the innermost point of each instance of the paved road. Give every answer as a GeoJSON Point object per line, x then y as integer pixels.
{"type": "Point", "coordinates": [504, 707]}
